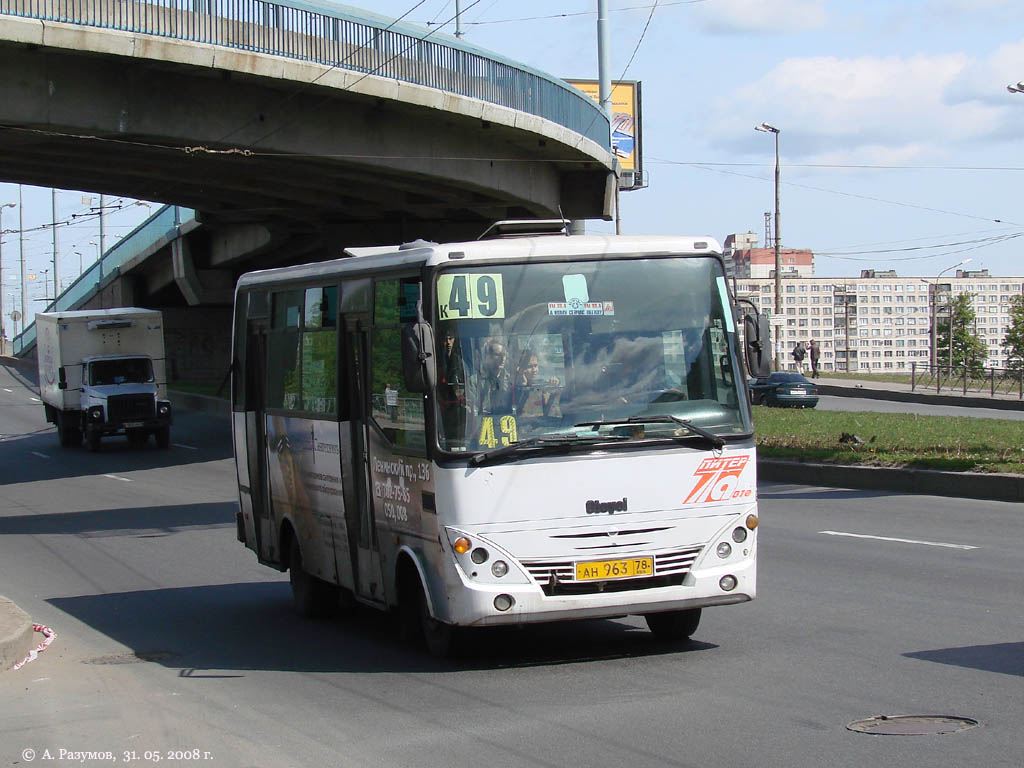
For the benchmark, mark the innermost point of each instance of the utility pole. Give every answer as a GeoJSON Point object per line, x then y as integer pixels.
{"type": "Point", "coordinates": [21, 249]}
{"type": "Point", "coordinates": [604, 87]}
{"type": "Point", "coordinates": [2, 206]}
{"type": "Point", "coordinates": [56, 248]}
{"type": "Point", "coordinates": [458, 19]}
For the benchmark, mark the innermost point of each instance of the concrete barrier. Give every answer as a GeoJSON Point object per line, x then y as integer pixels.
{"type": "Point", "coordinates": [968, 485]}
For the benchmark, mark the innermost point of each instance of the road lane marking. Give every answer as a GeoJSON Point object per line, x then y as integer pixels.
{"type": "Point", "coordinates": [8, 390]}
{"type": "Point", "coordinates": [122, 479]}
{"type": "Point", "coordinates": [35, 400]}
{"type": "Point", "coordinates": [900, 541]}
{"type": "Point", "coordinates": [188, 447]}
{"type": "Point", "coordinates": [40, 455]}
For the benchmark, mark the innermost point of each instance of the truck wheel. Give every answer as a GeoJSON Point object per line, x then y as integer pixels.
{"type": "Point", "coordinates": [312, 596]}
{"type": "Point", "coordinates": [163, 437]}
{"type": "Point", "coordinates": [673, 626]}
{"type": "Point", "coordinates": [93, 440]}
{"type": "Point", "coordinates": [68, 435]}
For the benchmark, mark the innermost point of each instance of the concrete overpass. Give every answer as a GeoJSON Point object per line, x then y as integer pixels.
{"type": "Point", "coordinates": [290, 129]}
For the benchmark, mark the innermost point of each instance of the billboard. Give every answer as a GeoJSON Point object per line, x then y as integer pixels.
{"type": "Point", "coordinates": [627, 144]}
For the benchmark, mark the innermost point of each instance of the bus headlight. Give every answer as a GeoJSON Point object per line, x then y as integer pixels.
{"type": "Point", "coordinates": [478, 555]}
{"type": "Point", "coordinates": [500, 568]}
{"type": "Point", "coordinates": [96, 413]}
{"type": "Point", "coordinates": [728, 583]}
{"type": "Point", "coordinates": [739, 535]}
{"type": "Point", "coordinates": [724, 549]}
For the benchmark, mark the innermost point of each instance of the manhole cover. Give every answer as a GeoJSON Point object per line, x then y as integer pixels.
{"type": "Point", "coordinates": [912, 725]}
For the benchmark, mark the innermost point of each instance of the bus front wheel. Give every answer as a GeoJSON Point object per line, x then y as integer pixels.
{"type": "Point", "coordinates": [673, 626]}
{"type": "Point", "coordinates": [441, 640]}
{"type": "Point", "coordinates": [312, 597]}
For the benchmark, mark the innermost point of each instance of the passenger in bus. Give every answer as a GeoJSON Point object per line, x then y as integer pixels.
{"type": "Point", "coordinates": [452, 389]}
{"type": "Point", "coordinates": [490, 389]}
{"type": "Point", "coordinates": [533, 397]}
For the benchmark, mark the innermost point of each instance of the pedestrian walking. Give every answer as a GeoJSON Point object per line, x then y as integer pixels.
{"type": "Point", "coordinates": [814, 352]}
{"type": "Point", "coordinates": [391, 401]}
{"type": "Point", "coordinates": [799, 353]}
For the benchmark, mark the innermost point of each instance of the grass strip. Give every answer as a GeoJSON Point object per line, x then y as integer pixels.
{"type": "Point", "coordinates": [891, 439]}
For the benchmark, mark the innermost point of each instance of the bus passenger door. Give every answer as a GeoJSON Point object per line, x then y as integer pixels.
{"type": "Point", "coordinates": [256, 438]}
{"type": "Point", "coordinates": [363, 546]}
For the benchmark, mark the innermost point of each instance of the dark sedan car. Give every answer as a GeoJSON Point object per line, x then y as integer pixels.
{"type": "Point", "coordinates": [782, 388]}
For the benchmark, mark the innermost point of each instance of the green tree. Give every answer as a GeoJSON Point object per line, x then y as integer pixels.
{"type": "Point", "coordinates": [1013, 343]}
{"type": "Point", "coordinates": [967, 350]}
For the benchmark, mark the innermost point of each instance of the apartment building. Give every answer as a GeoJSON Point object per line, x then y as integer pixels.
{"type": "Point", "coordinates": [880, 321]}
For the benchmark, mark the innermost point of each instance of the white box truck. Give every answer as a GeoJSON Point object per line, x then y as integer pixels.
{"type": "Point", "coordinates": [102, 372]}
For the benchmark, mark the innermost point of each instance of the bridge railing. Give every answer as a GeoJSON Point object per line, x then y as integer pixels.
{"type": "Point", "coordinates": [343, 38]}
{"type": "Point", "coordinates": [162, 226]}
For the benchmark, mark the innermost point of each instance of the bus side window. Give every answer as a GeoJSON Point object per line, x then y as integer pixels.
{"type": "Point", "coordinates": [396, 411]}
{"type": "Point", "coordinates": [303, 354]}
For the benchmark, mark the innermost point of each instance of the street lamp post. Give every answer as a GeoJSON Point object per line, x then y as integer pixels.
{"type": "Point", "coordinates": [765, 128]}
{"type": "Point", "coordinates": [21, 249]}
{"type": "Point", "coordinates": [935, 319]}
{"type": "Point", "coordinates": [3, 336]}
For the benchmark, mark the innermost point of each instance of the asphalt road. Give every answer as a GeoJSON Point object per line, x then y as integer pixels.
{"type": "Point", "coordinates": [172, 637]}
{"type": "Point", "coordinates": [833, 403]}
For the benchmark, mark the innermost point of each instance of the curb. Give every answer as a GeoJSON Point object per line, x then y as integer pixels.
{"type": "Point", "coordinates": [930, 482]}
{"type": "Point", "coordinates": [15, 634]}
{"type": "Point", "coordinates": [968, 401]}
{"type": "Point", "coordinates": [187, 401]}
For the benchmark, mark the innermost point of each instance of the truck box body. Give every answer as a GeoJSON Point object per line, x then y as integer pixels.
{"type": "Point", "coordinates": [67, 338]}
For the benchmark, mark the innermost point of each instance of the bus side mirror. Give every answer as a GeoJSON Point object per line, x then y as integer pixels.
{"type": "Point", "coordinates": [62, 378]}
{"type": "Point", "coordinates": [757, 345]}
{"type": "Point", "coordinates": [418, 363]}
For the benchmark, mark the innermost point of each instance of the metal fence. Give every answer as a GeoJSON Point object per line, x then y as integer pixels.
{"type": "Point", "coordinates": [162, 226]}
{"type": "Point", "coordinates": [339, 38]}
{"type": "Point", "coordinates": [988, 381]}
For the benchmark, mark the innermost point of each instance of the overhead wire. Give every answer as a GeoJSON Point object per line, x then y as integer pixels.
{"type": "Point", "coordinates": [549, 17]}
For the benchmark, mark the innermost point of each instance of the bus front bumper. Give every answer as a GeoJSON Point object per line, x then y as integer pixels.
{"type": "Point", "coordinates": [478, 604]}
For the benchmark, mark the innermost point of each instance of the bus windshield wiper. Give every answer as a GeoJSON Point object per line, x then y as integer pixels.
{"type": "Point", "coordinates": [715, 440]}
{"type": "Point", "coordinates": [564, 443]}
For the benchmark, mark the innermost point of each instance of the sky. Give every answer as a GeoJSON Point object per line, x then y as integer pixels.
{"type": "Point", "coordinates": [900, 146]}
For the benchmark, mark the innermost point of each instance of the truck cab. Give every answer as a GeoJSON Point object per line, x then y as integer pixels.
{"type": "Point", "coordinates": [119, 395]}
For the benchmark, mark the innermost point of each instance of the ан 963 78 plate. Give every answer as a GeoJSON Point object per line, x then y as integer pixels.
{"type": "Point", "coordinates": [602, 570]}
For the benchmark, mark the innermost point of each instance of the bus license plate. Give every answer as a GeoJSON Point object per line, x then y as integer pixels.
{"type": "Point", "coordinates": [132, 424]}
{"type": "Point", "coordinates": [601, 570]}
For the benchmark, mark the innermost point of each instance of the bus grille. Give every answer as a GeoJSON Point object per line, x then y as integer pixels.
{"type": "Point", "coordinates": [130, 408]}
{"type": "Point", "coordinates": [558, 577]}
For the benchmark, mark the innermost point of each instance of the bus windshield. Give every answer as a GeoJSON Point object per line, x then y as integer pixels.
{"type": "Point", "coordinates": [623, 348]}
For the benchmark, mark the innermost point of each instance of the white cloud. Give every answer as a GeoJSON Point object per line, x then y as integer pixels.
{"type": "Point", "coordinates": [759, 16]}
{"type": "Point", "coordinates": [867, 105]}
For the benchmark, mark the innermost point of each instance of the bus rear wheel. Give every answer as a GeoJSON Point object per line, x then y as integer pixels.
{"type": "Point", "coordinates": [673, 626]}
{"type": "Point", "coordinates": [312, 597]}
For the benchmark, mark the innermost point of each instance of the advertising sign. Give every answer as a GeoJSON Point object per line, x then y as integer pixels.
{"type": "Point", "coordinates": [627, 144]}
